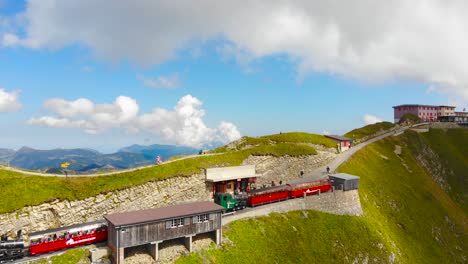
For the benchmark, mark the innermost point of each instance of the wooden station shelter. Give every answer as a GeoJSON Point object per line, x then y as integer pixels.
{"type": "Point", "coordinates": [231, 179]}
{"type": "Point", "coordinates": [153, 226]}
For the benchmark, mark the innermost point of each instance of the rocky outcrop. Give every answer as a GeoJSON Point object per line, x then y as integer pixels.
{"type": "Point", "coordinates": [287, 168]}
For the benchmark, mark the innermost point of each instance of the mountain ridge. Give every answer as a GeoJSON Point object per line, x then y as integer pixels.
{"type": "Point", "coordinates": [86, 160]}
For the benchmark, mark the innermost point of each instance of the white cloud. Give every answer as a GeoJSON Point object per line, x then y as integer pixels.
{"type": "Point", "coordinates": [423, 40]}
{"type": "Point", "coordinates": [371, 119]}
{"type": "Point", "coordinates": [183, 125]}
{"type": "Point", "coordinates": [9, 40]}
{"type": "Point", "coordinates": [169, 81]}
{"type": "Point", "coordinates": [325, 133]}
{"type": "Point", "coordinates": [70, 109]}
{"type": "Point", "coordinates": [9, 101]}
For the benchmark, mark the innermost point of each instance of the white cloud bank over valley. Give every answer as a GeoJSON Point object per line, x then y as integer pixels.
{"type": "Point", "coordinates": [183, 125]}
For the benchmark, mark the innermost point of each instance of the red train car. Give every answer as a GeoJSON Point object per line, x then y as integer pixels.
{"type": "Point", "coordinates": [298, 188]}
{"type": "Point", "coordinates": [67, 237]}
{"type": "Point", "coordinates": [267, 195]}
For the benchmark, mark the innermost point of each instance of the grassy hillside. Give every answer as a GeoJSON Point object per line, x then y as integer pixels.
{"type": "Point", "coordinates": [285, 138]}
{"type": "Point", "coordinates": [409, 118]}
{"type": "Point", "coordinates": [19, 190]}
{"type": "Point", "coordinates": [445, 155]}
{"type": "Point", "coordinates": [368, 130]}
{"type": "Point", "coordinates": [72, 256]}
{"type": "Point", "coordinates": [408, 218]}
{"type": "Point", "coordinates": [402, 201]}
{"type": "Point", "coordinates": [296, 237]}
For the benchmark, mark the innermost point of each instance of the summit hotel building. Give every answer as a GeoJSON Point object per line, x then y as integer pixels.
{"type": "Point", "coordinates": [430, 113]}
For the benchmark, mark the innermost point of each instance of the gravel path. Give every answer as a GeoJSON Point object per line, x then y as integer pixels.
{"type": "Point", "coordinates": [341, 158]}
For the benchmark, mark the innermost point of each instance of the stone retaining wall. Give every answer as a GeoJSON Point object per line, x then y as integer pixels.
{"type": "Point", "coordinates": [337, 202]}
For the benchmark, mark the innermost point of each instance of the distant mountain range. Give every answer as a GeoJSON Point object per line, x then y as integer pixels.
{"type": "Point", "coordinates": [89, 160]}
{"type": "Point", "coordinates": [6, 154]}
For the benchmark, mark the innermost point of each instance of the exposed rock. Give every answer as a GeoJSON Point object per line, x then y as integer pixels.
{"type": "Point", "coordinates": [397, 149]}
{"type": "Point", "coordinates": [287, 168]}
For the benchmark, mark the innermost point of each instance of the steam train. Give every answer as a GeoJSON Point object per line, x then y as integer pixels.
{"type": "Point", "coordinates": [53, 240]}
{"type": "Point", "coordinates": [92, 232]}
{"type": "Point", "coordinates": [291, 190]}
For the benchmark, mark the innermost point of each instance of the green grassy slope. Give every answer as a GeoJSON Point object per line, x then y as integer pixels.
{"type": "Point", "coordinates": [368, 130]}
{"type": "Point", "coordinates": [408, 218]}
{"type": "Point", "coordinates": [446, 154]}
{"type": "Point", "coordinates": [284, 138]}
{"type": "Point", "coordinates": [296, 238]}
{"type": "Point", "coordinates": [72, 256]}
{"type": "Point", "coordinates": [402, 201]}
{"type": "Point", "coordinates": [19, 190]}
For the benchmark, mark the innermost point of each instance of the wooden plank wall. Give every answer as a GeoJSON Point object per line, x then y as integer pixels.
{"type": "Point", "coordinates": [157, 231]}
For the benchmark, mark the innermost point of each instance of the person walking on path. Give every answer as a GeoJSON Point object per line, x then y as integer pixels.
{"type": "Point", "coordinates": [328, 170]}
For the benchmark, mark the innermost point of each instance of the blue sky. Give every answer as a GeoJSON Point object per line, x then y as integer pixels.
{"type": "Point", "coordinates": [226, 80]}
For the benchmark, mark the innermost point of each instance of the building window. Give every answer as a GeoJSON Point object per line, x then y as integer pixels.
{"type": "Point", "coordinates": [203, 218]}
{"type": "Point", "coordinates": [177, 222]}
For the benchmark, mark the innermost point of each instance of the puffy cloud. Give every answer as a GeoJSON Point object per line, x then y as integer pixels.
{"type": "Point", "coordinates": [70, 109]}
{"type": "Point", "coordinates": [9, 101]}
{"type": "Point", "coordinates": [169, 81]}
{"type": "Point", "coordinates": [10, 40]}
{"type": "Point", "coordinates": [423, 40]}
{"type": "Point", "coordinates": [183, 125]}
{"type": "Point", "coordinates": [371, 119]}
{"type": "Point", "coordinates": [227, 132]}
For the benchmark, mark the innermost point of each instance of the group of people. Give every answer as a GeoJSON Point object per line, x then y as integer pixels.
{"type": "Point", "coordinates": [67, 235]}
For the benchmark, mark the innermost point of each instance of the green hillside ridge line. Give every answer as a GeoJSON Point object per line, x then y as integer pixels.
{"type": "Point", "coordinates": [19, 190]}
{"type": "Point", "coordinates": [289, 137]}
{"type": "Point", "coordinates": [369, 130]}
{"type": "Point", "coordinates": [407, 218]}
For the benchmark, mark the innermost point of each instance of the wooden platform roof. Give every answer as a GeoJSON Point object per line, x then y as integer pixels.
{"type": "Point", "coordinates": [163, 213]}
{"type": "Point", "coordinates": [230, 173]}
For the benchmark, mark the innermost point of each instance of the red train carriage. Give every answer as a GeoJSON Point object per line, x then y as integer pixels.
{"type": "Point", "coordinates": [67, 237]}
{"type": "Point", "coordinates": [267, 195]}
{"type": "Point", "coordinates": [298, 188]}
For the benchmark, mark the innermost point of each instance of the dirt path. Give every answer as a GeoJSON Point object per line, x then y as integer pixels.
{"type": "Point", "coordinates": [341, 158]}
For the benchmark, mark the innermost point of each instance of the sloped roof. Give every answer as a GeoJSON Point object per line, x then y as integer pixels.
{"type": "Point", "coordinates": [339, 138]}
{"type": "Point", "coordinates": [344, 176]}
{"type": "Point", "coordinates": [230, 173]}
{"type": "Point", "coordinates": [157, 214]}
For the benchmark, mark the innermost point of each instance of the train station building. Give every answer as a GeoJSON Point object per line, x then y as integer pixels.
{"type": "Point", "coordinates": [153, 226]}
{"type": "Point", "coordinates": [343, 143]}
{"type": "Point", "coordinates": [231, 179]}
